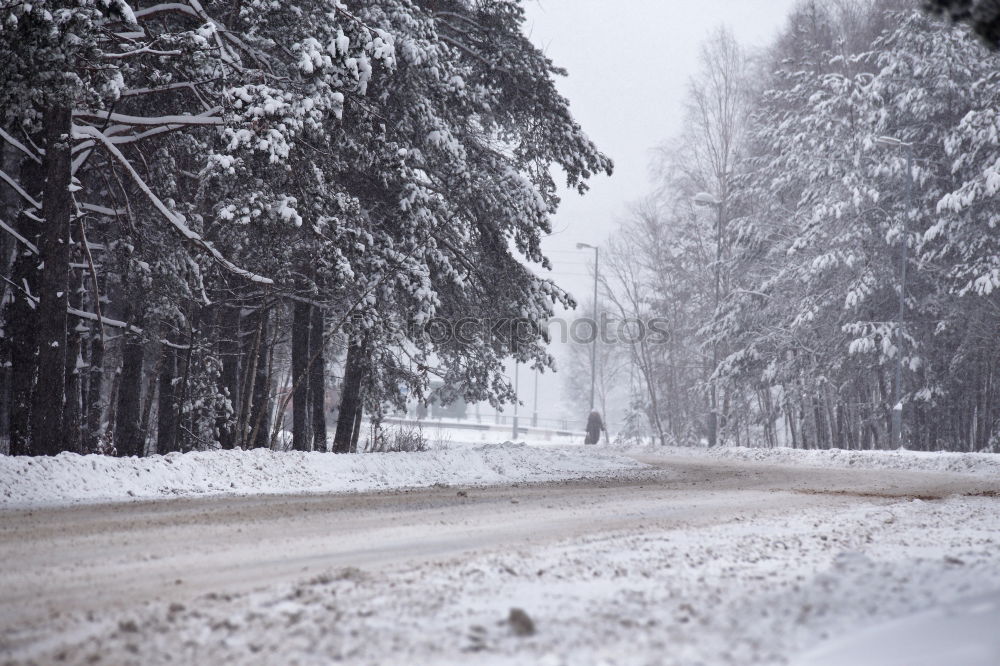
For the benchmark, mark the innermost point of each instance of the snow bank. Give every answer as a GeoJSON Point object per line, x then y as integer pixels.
{"type": "Point", "coordinates": [69, 477]}
{"type": "Point", "coordinates": [983, 464]}
{"type": "Point", "coordinates": [961, 633]}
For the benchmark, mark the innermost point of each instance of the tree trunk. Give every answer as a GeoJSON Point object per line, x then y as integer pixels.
{"type": "Point", "coordinates": [350, 397]}
{"type": "Point", "coordinates": [317, 379]}
{"type": "Point", "coordinates": [166, 409]}
{"type": "Point", "coordinates": [301, 321]}
{"type": "Point", "coordinates": [4, 398]}
{"type": "Point", "coordinates": [359, 414]}
{"type": "Point", "coordinates": [74, 367]}
{"type": "Point", "coordinates": [184, 441]}
{"type": "Point", "coordinates": [250, 343]}
{"type": "Point", "coordinates": [152, 382]}
{"type": "Point", "coordinates": [790, 419]}
{"type": "Point", "coordinates": [654, 403]}
{"type": "Point", "coordinates": [47, 426]}
{"type": "Point", "coordinates": [228, 331]}
{"type": "Point", "coordinates": [21, 328]}
{"type": "Point", "coordinates": [95, 386]}
{"type": "Point", "coordinates": [260, 408]}
{"type": "Point", "coordinates": [10, 248]}
{"type": "Point", "coordinates": [128, 430]}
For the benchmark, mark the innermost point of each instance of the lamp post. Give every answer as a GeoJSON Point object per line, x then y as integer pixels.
{"type": "Point", "coordinates": [707, 199]}
{"type": "Point", "coordinates": [897, 393]}
{"type": "Point", "coordinates": [593, 351]}
{"type": "Point", "coordinates": [534, 415]}
{"type": "Point", "coordinates": [517, 396]}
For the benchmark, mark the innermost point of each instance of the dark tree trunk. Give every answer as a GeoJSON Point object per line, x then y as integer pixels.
{"type": "Point", "coordinates": [345, 411]}
{"type": "Point", "coordinates": [301, 320]}
{"type": "Point", "coordinates": [166, 409]}
{"type": "Point", "coordinates": [183, 386]}
{"type": "Point", "coordinates": [47, 427]}
{"type": "Point", "coordinates": [10, 248]}
{"type": "Point", "coordinates": [260, 408]}
{"type": "Point", "coordinates": [4, 397]}
{"type": "Point", "coordinates": [21, 328]}
{"type": "Point", "coordinates": [147, 408]}
{"type": "Point", "coordinates": [359, 413]}
{"type": "Point", "coordinates": [350, 397]}
{"type": "Point", "coordinates": [229, 351]}
{"type": "Point", "coordinates": [128, 430]}
{"type": "Point", "coordinates": [317, 379]}
{"type": "Point", "coordinates": [106, 438]}
{"type": "Point", "coordinates": [95, 387]}
{"type": "Point", "coordinates": [73, 414]}
{"type": "Point", "coordinates": [84, 387]}
{"type": "Point", "coordinates": [250, 341]}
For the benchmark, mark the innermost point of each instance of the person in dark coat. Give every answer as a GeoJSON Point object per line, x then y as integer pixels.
{"type": "Point", "coordinates": [594, 427]}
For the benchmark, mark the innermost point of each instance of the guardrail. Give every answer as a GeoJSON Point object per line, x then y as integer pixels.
{"type": "Point", "coordinates": [507, 427]}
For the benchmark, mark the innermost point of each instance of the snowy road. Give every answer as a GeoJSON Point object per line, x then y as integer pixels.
{"type": "Point", "coordinates": [365, 576]}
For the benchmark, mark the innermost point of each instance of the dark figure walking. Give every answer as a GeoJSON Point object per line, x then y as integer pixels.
{"type": "Point", "coordinates": [594, 427]}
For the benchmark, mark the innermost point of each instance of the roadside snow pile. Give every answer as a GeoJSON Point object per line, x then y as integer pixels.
{"type": "Point", "coordinates": [69, 477]}
{"type": "Point", "coordinates": [957, 633]}
{"type": "Point", "coordinates": [982, 464]}
{"type": "Point", "coordinates": [985, 464]}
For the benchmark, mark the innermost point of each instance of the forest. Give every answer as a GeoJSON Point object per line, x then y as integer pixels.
{"type": "Point", "coordinates": [206, 205]}
{"type": "Point", "coordinates": [214, 215]}
{"type": "Point", "coordinates": [823, 239]}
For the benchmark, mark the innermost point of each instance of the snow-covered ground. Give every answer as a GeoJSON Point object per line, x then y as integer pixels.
{"type": "Point", "coordinates": [454, 459]}
{"type": "Point", "coordinates": [981, 464]}
{"type": "Point", "coordinates": [736, 594]}
{"type": "Point", "coordinates": [72, 478]}
{"type": "Point", "coordinates": [761, 572]}
{"type": "Point", "coordinates": [963, 633]}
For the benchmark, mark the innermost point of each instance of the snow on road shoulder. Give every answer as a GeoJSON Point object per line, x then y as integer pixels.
{"type": "Point", "coordinates": [68, 478]}
{"type": "Point", "coordinates": [980, 464]}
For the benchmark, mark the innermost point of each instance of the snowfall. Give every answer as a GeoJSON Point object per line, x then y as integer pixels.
{"type": "Point", "coordinates": [896, 583]}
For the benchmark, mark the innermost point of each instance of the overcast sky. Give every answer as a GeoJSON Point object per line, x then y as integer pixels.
{"type": "Point", "coordinates": [629, 62]}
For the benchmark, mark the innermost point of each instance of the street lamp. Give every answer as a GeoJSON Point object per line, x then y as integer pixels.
{"type": "Point", "coordinates": [897, 394]}
{"type": "Point", "coordinates": [534, 415]}
{"type": "Point", "coordinates": [517, 396]}
{"type": "Point", "coordinates": [708, 199]}
{"type": "Point", "coordinates": [593, 351]}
